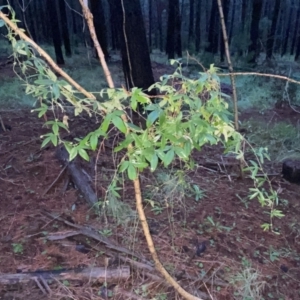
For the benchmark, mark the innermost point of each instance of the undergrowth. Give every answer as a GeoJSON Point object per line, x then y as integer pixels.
{"type": "Point", "coordinates": [281, 139]}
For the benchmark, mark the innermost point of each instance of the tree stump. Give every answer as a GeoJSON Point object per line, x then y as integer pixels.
{"type": "Point", "coordinates": [291, 170]}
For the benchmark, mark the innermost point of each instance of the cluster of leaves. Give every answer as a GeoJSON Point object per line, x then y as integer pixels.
{"type": "Point", "coordinates": [177, 122]}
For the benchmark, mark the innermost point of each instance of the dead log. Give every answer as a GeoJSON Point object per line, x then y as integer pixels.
{"type": "Point", "coordinates": [99, 274]}
{"type": "Point", "coordinates": [78, 175]}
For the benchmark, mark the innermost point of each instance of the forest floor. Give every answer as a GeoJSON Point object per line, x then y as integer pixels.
{"type": "Point", "coordinates": [209, 204]}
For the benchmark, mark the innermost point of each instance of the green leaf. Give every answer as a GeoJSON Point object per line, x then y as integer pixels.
{"type": "Point", "coordinates": [46, 141]}
{"type": "Point", "coordinates": [134, 127]}
{"type": "Point", "coordinates": [131, 171]}
{"type": "Point", "coordinates": [168, 157]}
{"type": "Point", "coordinates": [62, 125]}
{"type": "Point", "coordinates": [83, 154]}
{"type": "Point", "coordinates": [181, 153]}
{"type": "Point", "coordinates": [105, 124]}
{"type": "Point", "coordinates": [94, 141]}
{"type": "Point", "coordinates": [153, 162]}
{"type": "Point", "coordinates": [152, 117]}
{"type": "Point", "coordinates": [140, 165]}
{"type": "Point", "coordinates": [55, 91]}
{"type": "Point", "coordinates": [21, 51]}
{"type": "Point", "coordinates": [43, 82]}
{"type": "Point", "coordinates": [55, 128]}
{"type": "Point", "coordinates": [54, 140]}
{"type": "Point", "coordinates": [73, 153]}
{"type": "Point", "coordinates": [119, 123]}
{"type": "Point", "coordinates": [124, 165]}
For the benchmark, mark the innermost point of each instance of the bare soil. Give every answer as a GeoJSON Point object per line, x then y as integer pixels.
{"type": "Point", "coordinates": [27, 172]}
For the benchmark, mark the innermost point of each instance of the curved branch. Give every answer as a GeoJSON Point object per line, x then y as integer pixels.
{"type": "Point", "coordinates": [50, 61]}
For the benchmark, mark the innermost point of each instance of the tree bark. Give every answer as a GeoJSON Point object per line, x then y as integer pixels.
{"type": "Point", "coordinates": [225, 4]}
{"type": "Point", "coordinates": [287, 29]}
{"type": "Point", "coordinates": [99, 24]}
{"type": "Point", "coordinates": [213, 32]}
{"type": "Point", "coordinates": [174, 30]}
{"type": "Point", "coordinates": [55, 32]}
{"type": "Point", "coordinates": [271, 35]}
{"type": "Point", "coordinates": [150, 26]}
{"type": "Point", "coordinates": [254, 30]}
{"type": "Point", "coordinates": [191, 23]}
{"type": "Point", "coordinates": [197, 27]}
{"type": "Point", "coordinates": [296, 30]}
{"type": "Point", "coordinates": [134, 49]}
{"type": "Point", "coordinates": [64, 27]}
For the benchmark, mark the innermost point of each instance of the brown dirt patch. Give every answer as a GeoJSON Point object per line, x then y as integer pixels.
{"type": "Point", "coordinates": [234, 240]}
{"type": "Point", "coordinates": [27, 171]}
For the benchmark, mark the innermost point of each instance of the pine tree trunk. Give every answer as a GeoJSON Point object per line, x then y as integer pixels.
{"type": "Point", "coordinates": [225, 4]}
{"type": "Point", "coordinates": [191, 23]}
{"type": "Point", "coordinates": [170, 45]}
{"type": "Point", "coordinates": [150, 26]}
{"type": "Point", "coordinates": [296, 30]}
{"type": "Point", "coordinates": [287, 30]}
{"type": "Point", "coordinates": [213, 32]}
{"type": "Point", "coordinates": [134, 48]}
{"type": "Point", "coordinates": [99, 23]}
{"type": "Point", "coordinates": [55, 32]}
{"type": "Point", "coordinates": [254, 30]}
{"type": "Point", "coordinates": [197, 27]}
{"type": "Point", "coordinates": [64, 27]}
{"type": "Point", "coordinates": [271, 35]}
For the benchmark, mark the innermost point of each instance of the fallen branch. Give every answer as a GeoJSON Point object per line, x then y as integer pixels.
{"type": "Point", "coordinates": [90, 233]}
{"type": "Point", "coordinates": [78, 176]}
{"type": "Point", "coordinates": [98, 274]}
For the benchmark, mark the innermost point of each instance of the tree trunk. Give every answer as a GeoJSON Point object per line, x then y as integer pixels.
{"type": "Point", "coordinates": [150, 26]}
{"type": "Point", "coordinates": [232, 22]}
{"type": "Point", "coordinates": [32, 21]}
{"type": "Point", "coordinates": [197, 27]}
{"type": "Point", "coordinates": [64, 27]}
{"type": "Point", "coordinates": [213, 32]}
{"type": "Point", "coordinates": [191, 23]}
{"type": "Point", "coordinates": [134, 49]}
{"type": "Point", "coordinates": [170, 46]}
{"type": "Point", "coordinates": [225, 4]}
{"type": "Point", "coordinates": [99, 23]}
{"type": "Point", "coordinates": [271, 35]}
{"type": "Point", "coordinates": [287, 29]}
{"type": "Point", "coordinates": [178, 48]}
{"type": "Point", "coordinates": [254, 30]}
{"type": "Point", "coordinates": [243, 21]}
{"type": "Point", "coordinates": [296, 30]}
{"type": "Point", "coordinates": [114, 32]}
{"type": "Point", "coordinates": [159, 25]}
{"type": "Point", "coordinates": [55, 32]}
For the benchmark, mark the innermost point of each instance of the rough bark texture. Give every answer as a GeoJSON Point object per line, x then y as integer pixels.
{"type": "Point", "coordinates": [287, 29]}
{"type": "Point", "coordinates": [271, 35]}
{"type": "Point", "coordinates": [64, 27]}
{"type": "Point", "coordinates": [197, 26]}
{"type": "Point", "coordinates": [213, 32]}
{"type": "Point", "coordinates": [173, 45]}
{"type": "Point", "coordinates": [78, 176]}
{"type": "Point", "coordinates": [99, 23]}
{"type": "Point", "coordinates": [134, 49]}
{"type": "Point", "coordinates": [254, 30]}
{"type": "Point", "coordinates": [51, 5]}
{"type": "Point", "coordinates": [191, 22]}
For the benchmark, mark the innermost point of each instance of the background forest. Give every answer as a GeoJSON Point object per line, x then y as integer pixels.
{"type": "Point", "coordinates": [224, 223]}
